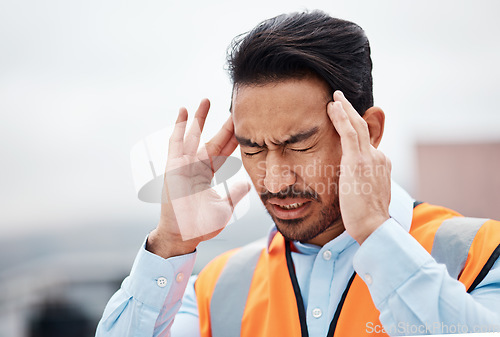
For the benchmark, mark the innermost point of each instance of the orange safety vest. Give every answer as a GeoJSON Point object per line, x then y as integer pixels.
{"type": "Point", "coordinates": [251, 292]}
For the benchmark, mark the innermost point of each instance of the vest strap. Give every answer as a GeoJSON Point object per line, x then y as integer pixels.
{"type": "Point", "coordinates": [231, 291]}
{"type": "Point", "coordinates": [452, 242]}
{"type": "Point", "coordinates": [485, 270]}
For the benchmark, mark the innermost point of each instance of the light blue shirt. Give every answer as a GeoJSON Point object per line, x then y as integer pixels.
{"type": "Point", "coordinates": [414, 294]}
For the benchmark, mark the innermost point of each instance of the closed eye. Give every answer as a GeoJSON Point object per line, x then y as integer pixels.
{"type": "Point", "coordinates": [250, 154]}
{"type": "Point", "coordinates": [301, 150]}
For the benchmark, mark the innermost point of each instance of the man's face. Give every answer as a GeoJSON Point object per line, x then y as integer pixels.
{"type": "Point", "coordinates": [292, 153]}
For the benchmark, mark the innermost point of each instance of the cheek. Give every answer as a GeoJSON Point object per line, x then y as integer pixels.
{"type": "Point", "coordinates": [331, 153]}
{"type": "Point", "coordinates": [320, 172]}
{"type": "Point", "coordinates": [256, 169]}
{"type": "Point", "coordinates": [322, 164]}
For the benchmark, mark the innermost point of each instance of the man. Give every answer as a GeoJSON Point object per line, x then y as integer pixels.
{"type": "Point", "coordinates": [350, 253]}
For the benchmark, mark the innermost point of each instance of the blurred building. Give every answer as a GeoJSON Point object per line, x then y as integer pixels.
{"type": "Point", "coordinates": [57, 284]}
{"type": "Point", "coordinates": [52, 290]}
{"type": "Point", "coordinates": [464, 177]}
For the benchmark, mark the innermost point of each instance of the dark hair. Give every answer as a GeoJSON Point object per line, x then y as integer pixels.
{"type": "Point", "coordinates": [299, 44]}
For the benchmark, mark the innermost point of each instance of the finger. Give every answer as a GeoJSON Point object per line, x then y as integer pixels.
{"type": "Point", "coordinates": [176, 141]}
{"type": "Point", "coordinates": [218, 143]}
{"type": "Point", "coordinates": [192, 140]}
{"type": "Point", "coordinates": [229, 148]}
{"type": "Point", "coordinates": [348, 135]}
{"type": "Point", "coordinates": [215, 152]}
{"type": "Point", "coordinates": [358, 123]}
{"type": "Point", "coordinates": [237, 192]}
{"type": "Point", "coordinates": [217, 161]}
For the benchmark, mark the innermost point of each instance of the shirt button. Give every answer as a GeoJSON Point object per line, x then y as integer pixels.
{"type": "Point", "coordinates": [317, 313]}
{"type": "Point", "coordinates": [327, 255]}
{"type": "Point", "coordinates": [161, 282]}
{"type": "Point", "coordinates": [179, 277]}
{"type": "Point", "coordinates": [368, 279]}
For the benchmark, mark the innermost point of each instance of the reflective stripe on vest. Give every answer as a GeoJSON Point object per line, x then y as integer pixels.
{"type": "Point", "coordinates": [227, 291]}
{"type": "Point", "coordinates": [452, 242]}
{"type": "Point", "coordinates": [231, 290]}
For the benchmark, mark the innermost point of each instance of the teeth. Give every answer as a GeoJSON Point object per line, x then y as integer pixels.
{"type": "Point", "coordinates": [292, 206]}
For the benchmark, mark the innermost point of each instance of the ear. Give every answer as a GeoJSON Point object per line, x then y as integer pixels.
{"type": "Point", "coordinates": [375, 118]}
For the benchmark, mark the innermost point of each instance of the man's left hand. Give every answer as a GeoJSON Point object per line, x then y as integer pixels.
{"type": "Point", "coordinates": [365, 173]}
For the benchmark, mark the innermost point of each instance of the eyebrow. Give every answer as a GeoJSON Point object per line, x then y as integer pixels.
{"type": "Point", "coordinates": [298, 137]}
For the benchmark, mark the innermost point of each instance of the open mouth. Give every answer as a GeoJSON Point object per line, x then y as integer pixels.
{"type": "Point", "coordinates": [292, 206]}
{"type": "Point", "coordinates": [286, 210]}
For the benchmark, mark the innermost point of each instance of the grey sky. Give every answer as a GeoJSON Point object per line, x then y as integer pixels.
{"type": "Point", "coordinates": [82, 81]}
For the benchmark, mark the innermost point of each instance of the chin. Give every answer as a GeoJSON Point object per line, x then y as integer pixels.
{"type": "Point", "coordinates": [306, 228]}
{"type": "Point", "coordinates": [299, 229]}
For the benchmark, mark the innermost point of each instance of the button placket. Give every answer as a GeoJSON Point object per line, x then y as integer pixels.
{"type": "Point", "coordinates": [321, 273]}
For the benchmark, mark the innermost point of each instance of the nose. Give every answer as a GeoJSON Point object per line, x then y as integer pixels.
{"type": "Point", "coordinates": [279, 173]}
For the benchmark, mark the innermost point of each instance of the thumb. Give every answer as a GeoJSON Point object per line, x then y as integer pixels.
{"type": "Point", "coordinates": [236, 192]}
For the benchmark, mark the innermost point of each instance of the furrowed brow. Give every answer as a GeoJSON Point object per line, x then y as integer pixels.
{"type": "Point", "coordinates": [296, 138]}
{"type": "Point", "coordinates": [301, 136]}
{"type": "Point", "coordinates": [246, 142]}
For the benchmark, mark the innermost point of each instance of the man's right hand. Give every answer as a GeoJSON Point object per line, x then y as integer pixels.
{"type": "Point", "coordinates": [192, 211]}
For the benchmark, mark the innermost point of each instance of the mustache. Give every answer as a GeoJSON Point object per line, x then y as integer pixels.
{"type": "Point", "coordinates": [290, 192]}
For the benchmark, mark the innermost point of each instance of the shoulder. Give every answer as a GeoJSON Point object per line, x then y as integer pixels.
{"type": "Point", "coordinates": [468, 246]}
{"type": "Point", "coordinates": [425, 213]}
{"type": "Point", "coordinates": [235, 259]}
{"type": "Point", "coordinates": [209, 275]}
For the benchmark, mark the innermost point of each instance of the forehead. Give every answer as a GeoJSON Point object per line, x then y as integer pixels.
{"type": "Point", "coordinates": [276, 110]}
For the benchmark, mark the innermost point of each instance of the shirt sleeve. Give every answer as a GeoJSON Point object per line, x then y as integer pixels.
{"type": "Point", "coordinates": [149, 298]}
{"type": "Point", "coordinates": [415, 295]}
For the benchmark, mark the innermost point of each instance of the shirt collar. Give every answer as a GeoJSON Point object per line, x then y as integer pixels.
{"type": "Point", "coordinates": [400, 209]}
